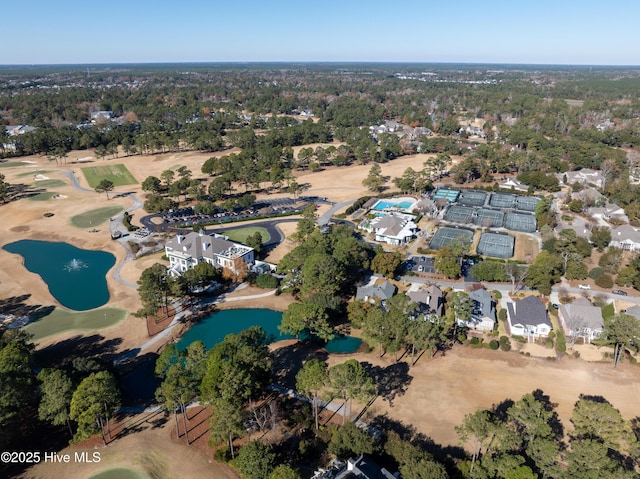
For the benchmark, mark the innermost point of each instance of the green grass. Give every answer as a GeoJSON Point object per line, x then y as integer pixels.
{"type": "Point", "coordinates": [118, 174]}
{"type": "Point", "coordinates": [95, 217]}
{"type": "Point", "coordinates": [240, 234]}
{"type": "Point", "coordinates": [34, 173]}
{"type": "Point", "coordinates": [62, 321]}
{"type": "Point", "coordinates": [49, 183]}
{"type": "Point", "coordinates": [44, 196]}
{"type": "Point", "coordinates": [9, 164]}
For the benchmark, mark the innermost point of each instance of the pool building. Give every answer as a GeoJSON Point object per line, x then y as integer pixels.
{"type": "Point", "coordinates": [393, 229]}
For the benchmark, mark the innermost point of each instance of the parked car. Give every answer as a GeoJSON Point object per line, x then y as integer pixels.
{"type": "Point", "coordinates": [421, 268]}
{"type": "Point", "coordinates": [584, 286]}
{"type": "Point", "coordinates": [620, 292]}
{"type": "Point", "coordinates": [555, 305]}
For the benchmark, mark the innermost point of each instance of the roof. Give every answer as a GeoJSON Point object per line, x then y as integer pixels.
{"type": "Point", "coordinates": [529, 310]}
{"type": "Point", "coordinates": [625, 233]}
{"type": "Point", "coordinates": [590, 315]}
{"type": "Point", "coordinates": [205, 245]}
{"type": "Point", "coordinates": [383, 291]}
{"type": "Point", "coordinates": [483, 306]}
{"type": "Point", "coordinates": [431, 296]}
{"type": "Point", "coordinates": [634, 311]}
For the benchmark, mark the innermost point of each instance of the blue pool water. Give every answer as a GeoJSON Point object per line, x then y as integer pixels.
{"type": "Point", "coordinates": [75, 277]}
{"type": "Point", "coordinates": [381, 205]}
{"type": "Point", "coordinates": [212, 329]}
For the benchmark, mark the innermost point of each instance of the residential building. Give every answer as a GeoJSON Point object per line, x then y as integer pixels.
{"type": "Point", "coordinates": [513, 184]}
{"type": "Point", "coordinates": [585, 176]}
{"type": "Point", "coordinates": [634, 311]}
{"type": "Point", "coordinates": [393, 229]}
{"type": "Point", "coordinates": [359, 468]}
{"type": "Point", "coordinates": [383, 291]}
{"type": "Point", "coordinates": [430, 300]}
{"type": "Point", "coordinates": [483, 316]}
{"type": "Point", "coordinates": [186, 250]}
{"type": "Point", "coordinates": [609, 212]}
{"type": "Point", "coordinates": [103, 115]}
{"type": "Point", "coordinates": [625, 237]}
{"type": "Point", "coordinates": [581, 319]}
{"type": "Point", "coordinates": [528, 317]}
{"type": "Point", "coordinates": [15, 130]}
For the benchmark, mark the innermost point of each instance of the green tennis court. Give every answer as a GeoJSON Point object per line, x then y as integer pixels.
{"type": "Point", "coordinates": [446, 235]}
{"type": "Point", "coordinates": [496, 245]}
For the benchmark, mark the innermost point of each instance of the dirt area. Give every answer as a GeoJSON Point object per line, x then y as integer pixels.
{"type": "Point", "coordinates": [442, 390]}
{"type": "Point", "coordinates": [151, 450]}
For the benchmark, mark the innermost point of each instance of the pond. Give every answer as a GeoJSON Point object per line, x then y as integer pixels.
{"type": "Point", "coordinates": [76, 277]}
{"type": "Point", "coordinates": [212, 329]}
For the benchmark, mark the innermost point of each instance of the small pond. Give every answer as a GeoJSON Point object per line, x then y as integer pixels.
{"type": "Point", "coordinates": [76, 277]}
{"type": "Point", "coordinates": [212, 329]}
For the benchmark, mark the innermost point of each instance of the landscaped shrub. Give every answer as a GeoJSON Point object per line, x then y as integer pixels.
{"type": "Point", "coordinates": [608, 311]}
{"type": "Point", "coordinates": [475, 342]}
{"type": "Point", "coordinates": [561, 345]}
{"type": "Point", "coordinates": [596, 272]}
{"type": "Point", "coordinates": [357, 205]}
{"type": "Point", "coordinates": [520, 339]}
{"type": "Point", "coordinates": [266, 281]}
{"type": "Point", "coordinates": [605, 281]}
{"type": "Point", "coordinates": [502, 315]}
{"type": "Point", "coordinates": [496, 294]}
{"type": "Point", "coordinates": [505, 346]}
{"type": "Point", "coordinates": [493, 344]}
{"type": "Point", "coordinates": [48, 214]}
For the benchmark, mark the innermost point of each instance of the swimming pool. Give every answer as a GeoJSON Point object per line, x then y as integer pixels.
{"type": "Point", "coordinates": [383, 205]}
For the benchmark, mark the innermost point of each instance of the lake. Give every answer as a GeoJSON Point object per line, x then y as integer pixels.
{"type": "Point", "coordinates": [76, 277]}
{"type": "Point", "coordinates": [212, 329]}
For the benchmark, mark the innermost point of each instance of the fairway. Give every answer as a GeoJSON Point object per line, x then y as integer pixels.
{"type": "Point", "coordinates": [62, 320]}
{"type": "Point", "coordinates": [240, 234]}
{"type": "Point", "coordinates": [49, 183]}
{"type": "Point", "coordinates": [118, 174]}
{"type": "Point", "coordinates": [95, 217]}
{"type": "Point", "coordinates": [44, 196]}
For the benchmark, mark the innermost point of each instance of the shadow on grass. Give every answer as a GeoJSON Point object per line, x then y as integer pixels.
{"type": "Point", "coordinates": [288, 360]}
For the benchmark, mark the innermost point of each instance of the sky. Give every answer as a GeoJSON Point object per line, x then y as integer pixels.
{"type": "Point", "coordinates": [568, 32]}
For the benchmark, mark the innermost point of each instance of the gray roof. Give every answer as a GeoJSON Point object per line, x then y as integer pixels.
{"type": "Point", "coordinates": [205, 245]}
{"type": "Point", "coordinates": [625, 232]}
{"type": "Point", "coordinates": [634, 311]}
{"type": "Point", "coordinates": [431, 296]}
{"type": "Point", "coordinates": [590, 315]}
{"type": "Point", "coordinates": [483, 306]}
{"type": "Point", "coordinates": [529, 310]}
{"type": "Point", "coordinates": [383, 291]}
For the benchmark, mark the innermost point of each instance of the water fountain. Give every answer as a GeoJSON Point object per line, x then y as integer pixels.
{"type": "Point", "coordinates": [75, 265]}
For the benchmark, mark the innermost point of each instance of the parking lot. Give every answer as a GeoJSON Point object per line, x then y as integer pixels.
{"type": "Point", "coordinates": [419, 264]}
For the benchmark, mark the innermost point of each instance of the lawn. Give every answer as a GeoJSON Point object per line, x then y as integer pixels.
{"type": "Point", "coordinates": [34, 173]}
{"type": "Point", "coordinates": [95, 217]}
{"type": "Point", "coordinates": [62, 320]}
{"type": "Point", "coordinates": [44, 196]}
{"type": "Point", "coordinates": [118, 174]}
{"type": "Point", "coordinates": [9, 164]}
{"type": "Point", "coordinates": [240, 234]}
{"type": "Point", "coordinates": [49, 183]}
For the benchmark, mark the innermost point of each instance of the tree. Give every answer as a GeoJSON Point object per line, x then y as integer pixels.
{"type": "Point", "coordinates": [255, 460]}
{"type": "Point", "coordinates": [226, 421]}
{"type": "Point", "coordinates": [623, 332]}
{"type": "Point", "coordinates": [374, 179]}
{"type": "Point", "coordinates": [152, 183]}
{"type": "Point", "coordinates": [310, 380]}
{"type": "Point", "coordinates": [600, 237]}
{"type": "Point", "coordinates": [610, 260]}
{"type": "Point", "coordinates": [299, 317]}
{"type": "Point", "coordinates": [386, 264]}
{"type": "Point", "coordinates": [93, 403]}
{"type": "Point", "coordinates": [254, 241]}
{"type": "Point", "coordinates": [461, 306]}
{"type": "Point", "coordinates": [168, 177]}
{"type": "Point", "coordinates": [56, 389]}
{"type": "Point", "coordinates": [350, 380]}
{"type": "Point", "coordinates": [350, 440]}
{"type": "Point", "coordinates": [284, 472]}
{"type": "Point", "coordinates": [105, 186]}
{"type": "Point", "coordinates": [596, 419]}
{"type": "Point", "coordinates": [544, 272]}
{"type": "Point", "coordinates": [154, 290]}
{"type": "Point", "coordinates": [478, 427]}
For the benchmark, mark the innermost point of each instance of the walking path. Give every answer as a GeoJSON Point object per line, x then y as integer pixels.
{"type": "Point", "coordinates": [324, 219]}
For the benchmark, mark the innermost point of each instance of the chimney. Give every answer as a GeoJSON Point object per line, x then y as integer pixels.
{"type": "Point", "coordinates": [205, 246]}
{"type": "Point", "coordinates": [180, 239]}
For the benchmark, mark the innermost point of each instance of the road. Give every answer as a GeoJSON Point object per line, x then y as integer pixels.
{"type": "Point", "coordinates": [326, 217]}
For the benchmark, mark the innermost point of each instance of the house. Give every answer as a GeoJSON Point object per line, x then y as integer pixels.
{"type": "Point", "coordinates": [383, 291]}
{"type": "Point", "coordinates": [472, 131]}
{"type": "Point", "coordinates": [513, 184]}
{"type": "Point", "coordinates": [393, 229]}
{"type": "Point", "coordinates": [625, 237]}
{"type": "Point", "coordinates": [528, 317]}
{"type": "Point", "coordinates": [359, 468]}
{"type": "Point", "coordinates": [483, 316]}
{"type": "Point", "coordinates": [15, 130]}
{"type": "Point", "coordinates": [609, 212]}
{"type": "Point", "coordinates": [430, 300]}
{"type": "Point", "coordinates": [584, 176]}
{"type": "Point", "coordinates": [103, 115]}
{"type": "Point", "coordinates": [634, 311]}
{"type": "Point", "coordinates": [186, 250]}
{"type": "Point", "coordinates": [581, 319]}
{"type": "Point", "coordinates": [589, 196]}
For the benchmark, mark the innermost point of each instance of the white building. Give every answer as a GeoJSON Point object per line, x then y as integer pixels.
{"type": "Point", "coordinates": [394, 229]}
{"type": "Point", "coordinates": [185, 251]}
{"type": "Point", "coordinates": [625, 237]}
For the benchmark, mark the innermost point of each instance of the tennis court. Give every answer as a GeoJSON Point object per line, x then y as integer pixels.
{"type": "Point", "coordinates": [489, 218]}
{"type": "Point", "coordinates": [496, 245]}
{"type": "Point", "coordinates": [449, 195]}
{"type": "Point", "coordinates": [502, 200]}
{"type": "Point", "coordinates": [459, 214]}
{"type": "Point", "coordinates": [526, 203]}
{"type": "Point", "coordinates": [446, 235]}
{"type": "Point", "coordinates": [472, 198]}
{"type": "Point", "coordinates": [520, 222]}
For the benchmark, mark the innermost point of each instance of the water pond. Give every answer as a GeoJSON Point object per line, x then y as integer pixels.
{"type": "Point", "coordinates": [76, 277]}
